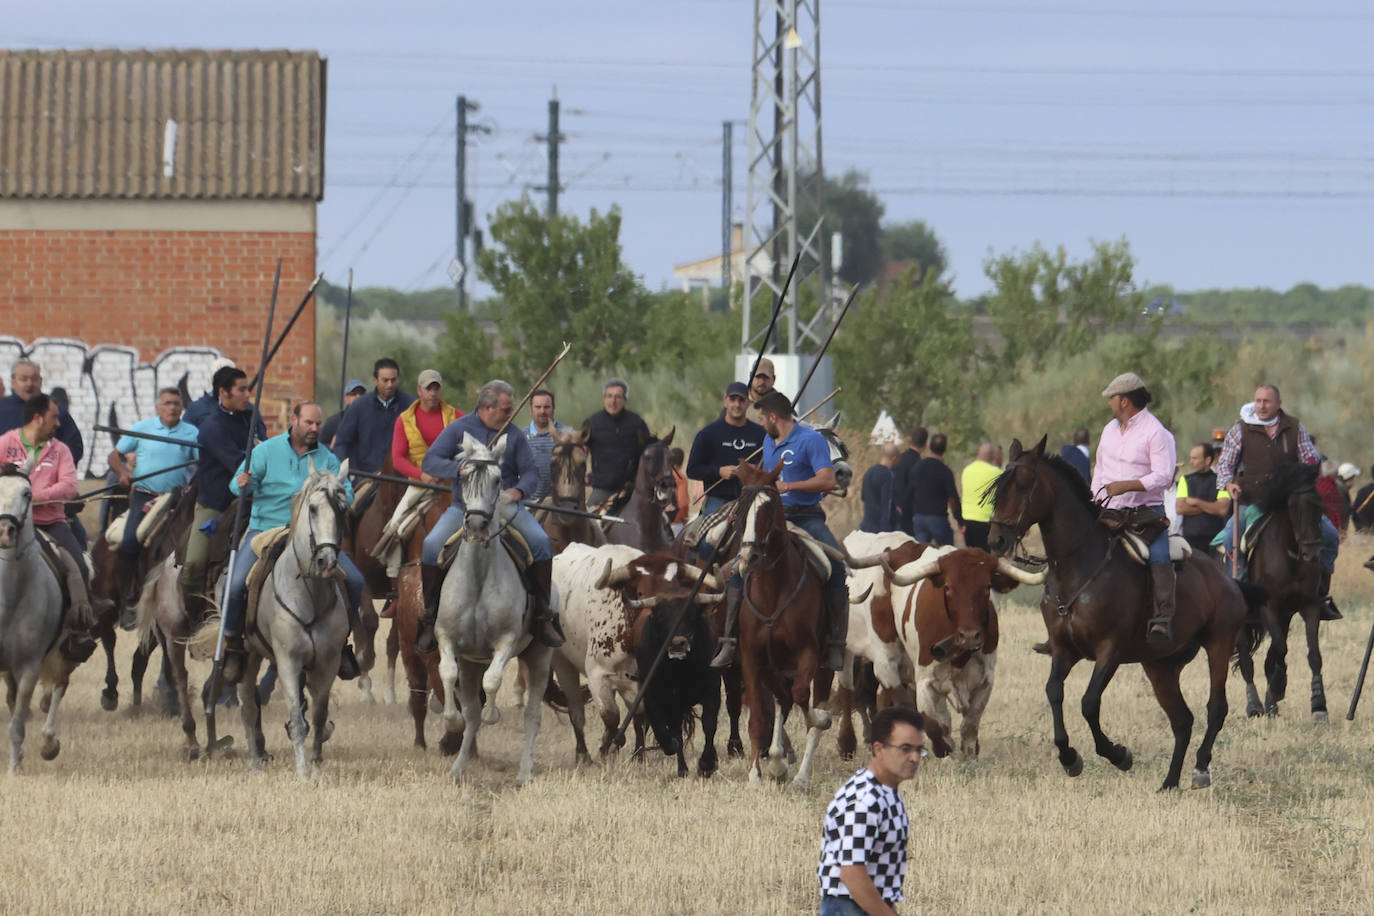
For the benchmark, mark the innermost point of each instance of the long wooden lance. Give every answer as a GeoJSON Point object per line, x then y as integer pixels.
{"type": "Point", "coordinates": [348, 318]}
{"type": "Point", "coordinates": [1359, 681]}
{"type": "Point", "coordinates": [96, 494]}
{"type": "Point", "coordinates": [151, 437]}
{"type": "Point", "coordinates": [305, 300]}
{"type": "Point", "coordinates": [825, 346]}
{"type": "Point", "coordinates": [212, 693]}
{"type": "Point", "coordinates": [529, 394]}
{"type": "Point", "coordinates": [527, 503]}
{"type": "Point", "coordinates": [772, 322]}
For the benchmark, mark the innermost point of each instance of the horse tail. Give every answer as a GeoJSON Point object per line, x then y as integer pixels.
{"type": "Point", "coordinates": [1253, 633]}
{"type": "Point", "coordinates": [201, 643]}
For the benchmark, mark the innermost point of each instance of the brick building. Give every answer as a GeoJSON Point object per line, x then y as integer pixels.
{"type": "Point", "coordinates": [145, 197]}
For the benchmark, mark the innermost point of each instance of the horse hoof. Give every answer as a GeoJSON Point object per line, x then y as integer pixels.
{"type": "Point", "coordinates": [734, 748]}
{"type": "Point", "coordinates": [1075, 766]}
{"type": "Point", "coordinates": [1124, 763]}
{"type": "Point", "coordinates": [109, 700]}
{"type": "Point", "coordinates": [1319, 715]}
{"type": "Point", "coordinates": [1254, 710]}
{"type": "Point", "coordinates": [449, 744]}
{"type": "Point", "coordinates": [190, 753]}
{"type": "Point", "coordinates": [51, 749]}
{"type": "Point", "coordinates": [1202, 779]}
{"type": "Point", "coordinates": [1169, 786]}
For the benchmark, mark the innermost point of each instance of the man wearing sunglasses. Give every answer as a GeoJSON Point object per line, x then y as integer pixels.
{"type": "Point", "coordinates": [863, 846]}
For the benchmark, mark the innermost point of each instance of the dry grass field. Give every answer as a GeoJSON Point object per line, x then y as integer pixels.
{"type": "Point", "coordinates": [118, 823]}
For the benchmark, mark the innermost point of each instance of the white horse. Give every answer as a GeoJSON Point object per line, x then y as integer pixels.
{"type": "Point", "coordinates": [483, 619]}
{"type": "Point", "coordinates": [302, 620]}
{"type": "Point", "coordinates": [30, 614]}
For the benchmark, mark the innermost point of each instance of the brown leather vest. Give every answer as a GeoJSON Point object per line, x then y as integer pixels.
{"type": "Point", "coordinates": [1259, 453]}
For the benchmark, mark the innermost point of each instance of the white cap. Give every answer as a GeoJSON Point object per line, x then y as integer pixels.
{"type": "Point", "coordinates": [1347, 471]}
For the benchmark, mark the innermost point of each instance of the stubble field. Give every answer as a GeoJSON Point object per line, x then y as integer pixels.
{"type": "Point", "coordinates": [118, 823]}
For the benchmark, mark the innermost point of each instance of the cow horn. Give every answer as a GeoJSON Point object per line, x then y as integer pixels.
{"type": "Point", "coordinates": [1006, 567]}
{"type": "Point", "coordinates": [862, 598]}
{"type": "Point", "coordinates": [695, 571]}
{"type": "Point", "coordinates": [613, 575]}
{"type": "Point", "coordinates": [916, 570]}
{"type": "Point", "coordinates": [710, 597]}
{"type": "Point", "coordinates": [865, 562]}
{"type": "Point", "coordinates": [640, 603]}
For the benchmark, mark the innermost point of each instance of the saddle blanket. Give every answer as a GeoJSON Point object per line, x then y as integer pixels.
{"type": "Point", "coordinates": [154, 514]}
{"type": "Point", "coordinates": [1138, 550]}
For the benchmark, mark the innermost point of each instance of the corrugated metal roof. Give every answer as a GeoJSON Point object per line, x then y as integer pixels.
{"type": "Point", "coordinates": [91, 124]}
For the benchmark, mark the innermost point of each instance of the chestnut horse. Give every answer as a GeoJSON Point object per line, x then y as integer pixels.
{"type": "Point", "coordinates": [1097, 602]}
{"type": "Point", "coordinates": [568, 474]}
{"type": "Point", "coordinates": [779, 628]}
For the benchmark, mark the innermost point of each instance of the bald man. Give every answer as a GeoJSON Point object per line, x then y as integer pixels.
{"type": "Point", "coordinates": [880, 514]}
{"type": "Point", "coordinates": [975, 502]}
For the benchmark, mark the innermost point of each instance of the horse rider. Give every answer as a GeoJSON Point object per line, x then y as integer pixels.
{"type": "Point", "coordinates": [1263, 437]}
{"type": "Point", "coordinates": [761, 384]}
{"type": "Point", "coordinates": [202, 407]}
{"type": "Point", "coordinates": [52, 479]}
{"type": "Point", "coordinates": [618, 436]}
{"type": "Point", "coordinates": [540, 434]}
{"type": "Point", "coordinates": [807, 475]}
{"type": "Point", "coordinates": [1135, 465]}
{"type": "Point", "coordinates": [364, 435]}
{"type": "Point", "coordinates": [721, 446]}
{"type": "Point", "coordinates": [223, 439]}
{"type": "Point", "coordinates": [495, 406]}
{"type": "Point", "coordinates": [26, 380]}
{"type": "Point", "coordinates": [279, 470]}
{"type": "Point", "coordinates": [151, 457]}
{"type": "Point", "coordinates": [353, 389]}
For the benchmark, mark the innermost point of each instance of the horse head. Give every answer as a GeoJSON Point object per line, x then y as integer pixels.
{"type": "Point", "coordinates": [1022, 495]}
{"type": "Point", "coordinates": [480, 482]}
{"type": "Point", "coordinates": [762, 520]}
{"type": "Point", "coordinates": [839, 454]}
{"type": "Point", "coordinates": [568, 468]}
{"type": "Point", "coordinates": [656, 471]}
{"type": "Point", "coordinates": [1291, 489]}
{"type": "Point", "coordinates": [16, 498]}
{"type": "Point", "coordinates": [319, 518]}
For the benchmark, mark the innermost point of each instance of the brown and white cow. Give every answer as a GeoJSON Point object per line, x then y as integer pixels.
{"type": "Point", "coordinates": [611, 596]}
{"type": "Point", "coordinates": [947, 623]}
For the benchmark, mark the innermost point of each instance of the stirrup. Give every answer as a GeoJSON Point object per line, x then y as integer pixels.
{"type": "Point", "coordinates": [1329, 611]}
{"type": "Point", "coordinates": [726, 652]}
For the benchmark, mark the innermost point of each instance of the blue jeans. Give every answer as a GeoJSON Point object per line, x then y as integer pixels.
{"type": "Point", "coordinates": [840, 906]}
{"type": "Point", "coordinates": [933, 529]}
{"type": "Point", "coordinates": [1331, 544]}
{"type": "Point", "coordinates": [1159, 547]}
{"type": "Point", "coordinates": [238, 585]}
{"type": "Point", "coordinates": [452, 520]}
{"type": "Point", "coordinates": [138, 499]}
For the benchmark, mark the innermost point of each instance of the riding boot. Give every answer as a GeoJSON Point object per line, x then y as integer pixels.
{"type": "Point", "coordinates": [348, 664]}
{"type": "Point", "coordinates": [547, 630]}
{"type": "Point", "coordinates": [1329, 610]}
{"type": "Point", "coordinates": [234, 656]}
{"type": "Point", "coordinates": [431, 584]}
{"type": "Point", "coordinates": [837, 627]}
{"type": "Point", "coordinates": [129, 587]}
{"type": "Point", "coordinates": [1161, 632]}
{"type": "Point", "coordinates": [727, 652]}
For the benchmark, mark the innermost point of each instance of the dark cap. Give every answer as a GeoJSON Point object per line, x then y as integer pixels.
{"type": "Point", "coordinates": [737, 388]}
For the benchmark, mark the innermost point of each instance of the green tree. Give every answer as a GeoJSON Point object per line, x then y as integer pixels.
{"type": "Point", "coordinates": [914, 240]}
{"type": "Point", "coordinates": [561, 280]}
{"type": "Point", "coordinates": [466, 358]}
{"type": "Point", "coordinates": [851, 209]}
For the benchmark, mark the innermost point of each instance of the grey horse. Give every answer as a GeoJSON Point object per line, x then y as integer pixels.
{"type": "Point", "coordinates": [302, 621]}
{"type": "Point", "coordinates": [30, 615]}
{"type": "Point", "coordinates": [484, 620]}
{"type": "Point", "coordinates": [162, 614]}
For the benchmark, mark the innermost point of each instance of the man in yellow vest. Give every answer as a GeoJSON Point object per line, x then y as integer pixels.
{"type": "Point", "coordinates": [416, 429]}
{"type": "Point", "coordinates": [976, 479]}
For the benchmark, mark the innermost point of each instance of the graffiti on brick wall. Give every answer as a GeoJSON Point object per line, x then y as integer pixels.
{"type": "Point", "coordinates": [106, 384]}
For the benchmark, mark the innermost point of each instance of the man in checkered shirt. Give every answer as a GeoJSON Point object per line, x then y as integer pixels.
{"type": "Point", "coordinates": [863, 847]}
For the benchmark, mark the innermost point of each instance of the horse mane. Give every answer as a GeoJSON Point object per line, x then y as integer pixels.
{"type": "Point", "coordinates": [1067, 473]}
{"type": "Point", "coordinates": [1285, 479]}
{"type": "Point", "coordinates": [10, 469]}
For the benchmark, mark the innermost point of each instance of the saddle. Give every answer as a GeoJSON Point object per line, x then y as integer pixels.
{"type": "Point", "coordinates": [515, 545]}
{"type": "Point", "coordinates": [363, 494]}
{"type": "Point", "coordinates": [410, 512]}
{"type": "Point", "coordinates": [1138, 549]}
{"type": "Point", "coordinates": [814, 551]}
{"type": "Point", "coordinates": [156, 514]}
{"type": "Point", "coordinates": [710, 529]}
{"type": "Point", "coordinates": [60, 562]}
{"type": "Point", "coordinates": [269, 545]}
{"type": "Point", "coordinates": [1250, 539]}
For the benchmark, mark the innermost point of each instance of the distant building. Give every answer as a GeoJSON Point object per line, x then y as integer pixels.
{"type": "Point", "coordinates": [705, 273]}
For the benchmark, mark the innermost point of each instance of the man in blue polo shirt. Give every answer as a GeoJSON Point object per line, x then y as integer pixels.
{"type": "Point", "coordinates": [807, 475]}
{"type": "Point", "coordinates": [519, 477]}
{"type": "Point", "coordinates": [151, 456]}
{"type": "Point", "coordinates": [279, 469]}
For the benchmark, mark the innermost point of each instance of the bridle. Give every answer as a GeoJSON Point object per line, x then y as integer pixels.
{"type": "Point", "coordinates": [316, 546]}
{"type": "Point", "coordinates": [758, 550]}
{"type": "Point", "coordinates": [1018, 525]}
{"type": "Point", "coordinates": [565, 459]}
{"type": "Point", "coordinates": [471, 466]}
{"type": "Point", "coordinates": [23, 514]}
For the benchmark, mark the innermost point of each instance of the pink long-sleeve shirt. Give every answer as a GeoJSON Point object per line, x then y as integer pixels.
{"type": "Point", "coordinates": [53, 475]}
{"type": "Point", "coordinates": [1144, 450]}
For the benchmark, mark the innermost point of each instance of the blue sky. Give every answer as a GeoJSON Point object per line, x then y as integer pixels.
{"type": "Point", "coordinates": [1231, 143]}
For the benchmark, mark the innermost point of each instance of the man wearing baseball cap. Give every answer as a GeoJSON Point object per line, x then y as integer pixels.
{"type": "Point", "coordinates": [760, 384]}
{"type": "Point", "coordinates": [352, 391]}
{"type": "Point", "coordinates": [419, 425]}
{"type": "Point", "coordinates": [723, 444]}
{"type": "Point", "coordinates": [1136, 456]}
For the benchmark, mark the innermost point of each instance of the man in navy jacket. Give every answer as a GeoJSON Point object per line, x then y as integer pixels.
{"type": "Point", "coordinates": [364, 435]}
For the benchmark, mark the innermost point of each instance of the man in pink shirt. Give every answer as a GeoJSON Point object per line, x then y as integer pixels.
{"type": "Point", "coordinates": [1136, 457]}
{"type": "Point", "coordinates": [52, 479]}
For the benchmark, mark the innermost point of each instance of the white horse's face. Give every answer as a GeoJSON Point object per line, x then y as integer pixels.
{"type": "Point", "coordinates": [480, 481]}
{"type": "Point", "coordinates": [325, 503]}
{"type": "Point", "coordinates": [16, 499]}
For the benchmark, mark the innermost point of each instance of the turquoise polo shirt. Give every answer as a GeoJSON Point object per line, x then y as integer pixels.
{"type": "Point", "coordinates": [153, 456]}
{"type": "Point", "coordinates": [803, 453]}
{"type": "Point", "coordinates": [278, 475]}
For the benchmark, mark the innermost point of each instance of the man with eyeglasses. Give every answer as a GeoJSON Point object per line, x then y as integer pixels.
{"type": "Point", "coordinates": [863, 846]}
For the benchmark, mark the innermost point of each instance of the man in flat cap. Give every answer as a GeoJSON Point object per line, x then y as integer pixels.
{"type": "Point", "coordinates": [1135, 464]}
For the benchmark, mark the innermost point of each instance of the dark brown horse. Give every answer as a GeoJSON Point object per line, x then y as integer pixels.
{"type": "Point", "coordinates": [655, 491]}
{"type": "Point", "coordinates": [568, 473]}
{"type": "Point", "coordinates": [779, 628]}
{"type": "Point", "coordinates": [1285, 562]}
{"type": "Point", "coordinates": [1097, 602]}
{"type": "Point", "coordinates": [365, 529]}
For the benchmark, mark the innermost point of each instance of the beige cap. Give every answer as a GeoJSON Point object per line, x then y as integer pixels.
{"type": "Point", "coordinates": [766, 366]}
{"type": "Point", "coordinates": [1122, 384]}
{"type": "Point", "coordinates": [430, 377]}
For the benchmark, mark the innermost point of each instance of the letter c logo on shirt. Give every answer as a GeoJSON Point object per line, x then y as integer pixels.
{"type": "Point", "coordinates": [787, 454]}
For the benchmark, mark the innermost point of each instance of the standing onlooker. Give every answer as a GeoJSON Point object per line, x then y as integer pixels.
{"type": "Point", "coordinates": [352, 391]}
{"type": "Point", "coordinates": [618, 436]}
{"type": "Point", "coordinates": [1345, 483]}
{"type": "Point", "coordinates": [540, 437]}
{"type": "Point", "coordinates": [1201, 504]}
{"type": "Point", "coordinates": [723, 444]}
{"type": "Point", "coordinates": [1077, 455]}
{"type": "Point", "coordinates": [977, 501]}
{"type": "Point", "coordinates": [863, 846]}
{"type": "Point", "coordinates": [364, 435]}
{"type": "Point", "coordinates": [762, 383]}
{"type": "Point", "coordinates": [1362, 510]}
{"type": "Point", "coordinates": [901, 476]}
{"type": "Point", "coordinates": [1330, 493]}
{"type": "Point", "coordinates": [934, 497]}
{"type": "Point", "coordinates": [880, 513]}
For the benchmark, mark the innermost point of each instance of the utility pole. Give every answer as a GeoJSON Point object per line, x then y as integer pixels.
{"type": "Point", "coordinates": [463, 209]}
{"type": "Point", "coordinates": [552, 138]}
{"type": "Point", "coordinates": [726, 205]}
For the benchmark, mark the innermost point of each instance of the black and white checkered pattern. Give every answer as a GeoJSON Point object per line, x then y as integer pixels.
{"type": "Point", "coordinates": [866, 824]}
